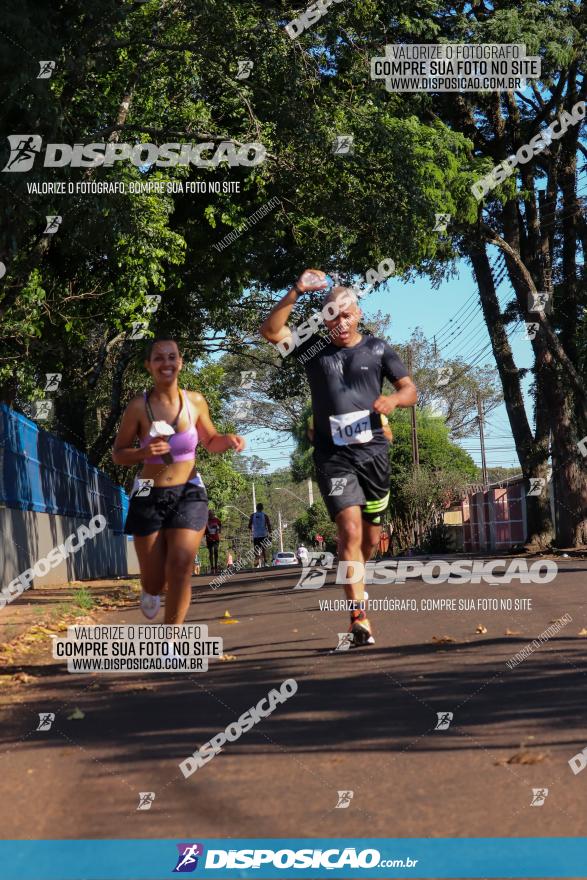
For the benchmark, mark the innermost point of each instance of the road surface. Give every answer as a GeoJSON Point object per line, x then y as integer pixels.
{"type": "Point", "coordinates": [361, 721]}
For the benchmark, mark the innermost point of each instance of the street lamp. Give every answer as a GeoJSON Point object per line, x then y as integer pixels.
{"type": "Point", "coordinates": [283, 489]}
{"type": "Point", "coordinates": [226, 506]}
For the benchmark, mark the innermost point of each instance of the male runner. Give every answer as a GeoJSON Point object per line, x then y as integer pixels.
{"type": "Point", "coordinates": [345, 373]}
{"type": "Point", "coordinates": [260, 528]}
{"type": "Point", "coordinates": [213, 530]}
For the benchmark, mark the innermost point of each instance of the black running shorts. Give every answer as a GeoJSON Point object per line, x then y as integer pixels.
{"type": "Point", "coordinates": [167, 507]}
{"type": "Point", "coordinates": [347, 480]}
{"type": "Point", "coordinates": [259, 544]}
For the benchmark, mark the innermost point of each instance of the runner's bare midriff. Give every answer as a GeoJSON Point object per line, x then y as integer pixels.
{"type": "Point", "coordinates": [169, 474]}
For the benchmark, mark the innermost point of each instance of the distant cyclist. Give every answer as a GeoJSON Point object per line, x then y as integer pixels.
{"type": "Point", "coordinates": [345, 372]}
{"type": "Point", "coordinates": [260, 528]}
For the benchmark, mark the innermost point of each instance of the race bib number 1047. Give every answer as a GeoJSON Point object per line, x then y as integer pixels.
{"type": "Point", "coordinates": [354, 427]}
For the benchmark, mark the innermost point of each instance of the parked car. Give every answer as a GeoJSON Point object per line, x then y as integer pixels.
{"type": "Point", "coordinates": [285, 559]}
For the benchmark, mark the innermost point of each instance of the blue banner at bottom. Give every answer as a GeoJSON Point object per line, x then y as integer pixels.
{"type": "Point", "coordinates": [293, 857]}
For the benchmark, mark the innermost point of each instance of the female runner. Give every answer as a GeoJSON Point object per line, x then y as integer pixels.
{"type": "Point", "coordinates": [167, 517]}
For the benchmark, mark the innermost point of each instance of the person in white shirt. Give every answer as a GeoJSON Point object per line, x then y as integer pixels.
{"type": "Point", "coordinates": [260, 528]}
{"type": "Point", "coordinates": [302, 555]}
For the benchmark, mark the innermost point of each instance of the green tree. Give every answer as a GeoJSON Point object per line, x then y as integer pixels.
{"type": "Point", "coordinates": [316, 521]}
{"type": "Point", "coordinates": [142, 72]}
{"type": "Point", "coordinates": [419, 497]}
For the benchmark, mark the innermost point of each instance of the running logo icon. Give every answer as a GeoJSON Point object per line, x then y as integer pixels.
{"type": "Point", "coordinates": [337, 485]}
{"type": "Point", "coordinates": [314, 578]}
{"type": "Point", "coordinates": [443, 376]}
{"type": "Point", "coordinates": [53, 223]}
{"type": "Point", "coordinates": [311, 579]}
{"type": "Point", "coordinates": [245, 66]}
{"type": "Point", "coordinates": [139, 329]}
{"type": "Point", "coordinates": [242, 409]}
{"type": "Point", "coordinates": [145, 486]}
{"type": "Point", "coordinates": [344, 800]}
{"type": "Point", "coordinates": [343, 145]}
{"type": "Point", "coordinates": [444, 719]}
{"type": "Point", "coordinates": [187, 860]}
{"type": "Point", "coordinates": [46, 69]}
{"type": "Point", "coordinates": [345, 640]}
{"type": "Point", "coordinates": [46, 719]}
{"type": "Point", "coordinates": [23, 149]}
{"type": "Point", "coordinates": [539, 301]}
{"type": "Point", "coordinates": [43, 409]}
{"type": "Point", "coordinates": [536, 486]}
{"type": "Point", "coordinates": [153, 303]}
{"type": "Point", "coordinates": [539, 795]}
{"type": "Point", "coordinates": [146, 799]}
{"type": "Point", "coordinates": [441, 221]}
{"type": "Point", "coordinates": [52, 381]}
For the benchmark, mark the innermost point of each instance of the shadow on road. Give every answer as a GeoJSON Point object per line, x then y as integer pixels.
{"type": "Point", "coordinates": [386, 699]}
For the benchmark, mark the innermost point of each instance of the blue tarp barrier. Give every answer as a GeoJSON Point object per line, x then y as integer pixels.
{"type": "Point", "coordinates": [40, 472]}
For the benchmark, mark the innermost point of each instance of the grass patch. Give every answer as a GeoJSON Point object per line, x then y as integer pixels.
{"type": "Point", "coordinates": [82, 599]}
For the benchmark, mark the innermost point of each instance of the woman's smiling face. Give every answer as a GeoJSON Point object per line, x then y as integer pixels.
{"type": "Point", "coordinates": [165, 362]}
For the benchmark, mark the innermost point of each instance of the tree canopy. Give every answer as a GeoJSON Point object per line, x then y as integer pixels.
{"type": "Point", "coordinates": [168, 72]}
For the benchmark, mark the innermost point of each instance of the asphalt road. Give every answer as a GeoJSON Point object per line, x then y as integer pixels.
{"type": "Point", "coordinates": [362, 720]}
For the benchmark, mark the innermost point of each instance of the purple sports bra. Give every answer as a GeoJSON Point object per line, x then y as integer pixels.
{"type": "Point", "coordinates": [183, 443]}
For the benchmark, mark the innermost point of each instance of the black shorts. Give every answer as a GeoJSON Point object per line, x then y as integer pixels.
{"type": "Point", "coordinates": [259, 544]}
{"type": "Point", "coordinates": [167, 507]}
{"type": "Point", "coordinates": [348, 480]}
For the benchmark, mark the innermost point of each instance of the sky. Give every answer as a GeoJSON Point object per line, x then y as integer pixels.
{"type": "Point", "coordinates": [451, 313]}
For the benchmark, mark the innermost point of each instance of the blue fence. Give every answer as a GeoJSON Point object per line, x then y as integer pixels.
{"type": "Point", "coordinates": [40, 472]}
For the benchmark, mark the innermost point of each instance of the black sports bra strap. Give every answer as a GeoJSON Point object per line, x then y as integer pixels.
{"type": "Point", "coordinates": [148, 408]}
{"type": "Point", "coordinates": [150, 411]}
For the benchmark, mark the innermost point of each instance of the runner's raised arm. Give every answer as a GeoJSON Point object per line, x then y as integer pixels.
{"type": "Point", "coordinates": [274, 328]}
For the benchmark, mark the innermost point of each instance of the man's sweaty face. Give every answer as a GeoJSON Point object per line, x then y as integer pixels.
{"type": "Point", "coordinates": [344, 326]}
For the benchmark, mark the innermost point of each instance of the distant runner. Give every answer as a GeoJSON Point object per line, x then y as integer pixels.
{"type": "Point", "coordinates": [302, 554]}
{"type": "Point", "coordinates": [345, 373]}
{"type": "Point", "coordinates": [213, 532]}
{"type": "Point", "coordinates": [260, 528]}
{"type": "Point", "coordinates": [168, 509]}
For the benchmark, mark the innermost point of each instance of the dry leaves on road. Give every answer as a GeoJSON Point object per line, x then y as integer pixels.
{"type": "Point", "coordinates": [16, 678]}
{"type": "Point", "coordinates": [76, 715]}
{"type": "Point", "coordinates": [526, 756]}
{"type": "Point", "coordinates": [481, 630]}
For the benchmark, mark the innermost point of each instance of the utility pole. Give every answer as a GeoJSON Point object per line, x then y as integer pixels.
{"type": "Point", "coordinates": [254, 499]}
{"type": "Point", "coordinates": [482, 439]}
{"type": "Point", "coordinates": [280, 530]}
{"type": "Point", "coordinates": [310, 492]}
{"type": "Point", "coordinates": [415, 450]}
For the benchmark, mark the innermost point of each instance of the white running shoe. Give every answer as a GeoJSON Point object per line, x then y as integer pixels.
{"type": "Point", "coordinates": [150, 605]}
{"type": "Point", "coordinates": [173, 655]}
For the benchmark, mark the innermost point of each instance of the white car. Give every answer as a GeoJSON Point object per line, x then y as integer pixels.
{"type": "Point", "coordinates": [285, 559]}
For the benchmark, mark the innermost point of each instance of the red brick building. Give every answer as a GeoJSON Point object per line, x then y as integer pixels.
{"type": "Point", "coordinates": [495, 519]}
